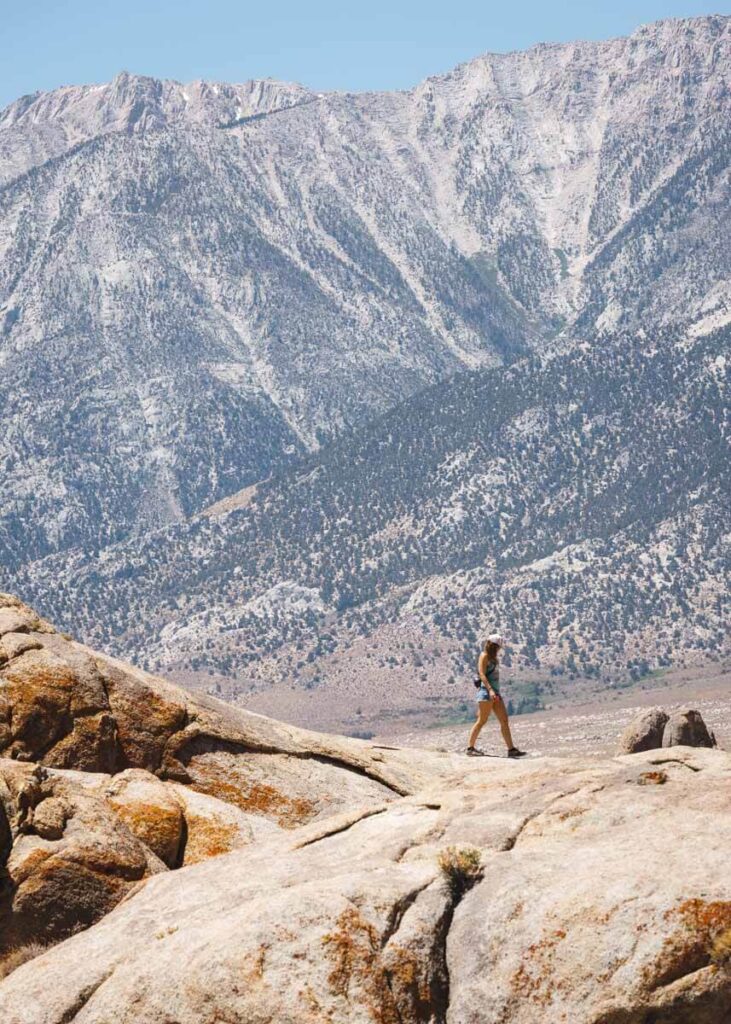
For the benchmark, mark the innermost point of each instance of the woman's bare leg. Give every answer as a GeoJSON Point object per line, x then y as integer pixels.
{"type": "Point", "coordinates": [483, 713]}
{"type": "Point", "coordinates": [502, 717]}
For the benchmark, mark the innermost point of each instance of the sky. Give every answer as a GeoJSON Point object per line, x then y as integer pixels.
{"type": "Point", "coordinates": [325, 44]}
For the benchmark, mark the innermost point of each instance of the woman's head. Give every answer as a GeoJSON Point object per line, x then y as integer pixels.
{"type": "Point", "coordinates": [493, 645]}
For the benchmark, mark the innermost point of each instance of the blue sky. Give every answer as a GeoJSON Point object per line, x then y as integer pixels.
{"type": "Point", "coordinates": [326, 44]}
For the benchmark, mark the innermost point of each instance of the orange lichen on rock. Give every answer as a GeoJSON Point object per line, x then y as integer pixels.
{"type": "Point", "coordinates": [31, 863]}
{"type": "Point", "coordinates": [572, 812]}
{"type": "Point", "coordinates": [158, 827]}
{"type": "Point", "coordinates": [40, 695]}
{"type": "Point", "coordinates": [142, 736]}
{"type": "Point", "coordinates": [391, 993]}
{"type": "Point", "coordinates": [208, 837]}
{"type": "Point", "coordinates": [535, 978]}
{"type": "Point", "coordinates": [251, 796]}
{"type": "Point", "coordinates": [353, 947]}
{"type": "Point", "coordinates": [699, 925]}
{"type": "Point", "coordinates": [58, 713]}
{"type": "Point", "coordinates": [706, 918]}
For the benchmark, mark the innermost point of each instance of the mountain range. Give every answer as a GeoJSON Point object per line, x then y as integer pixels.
{"type": "Point", "coordinates": [316, 387]}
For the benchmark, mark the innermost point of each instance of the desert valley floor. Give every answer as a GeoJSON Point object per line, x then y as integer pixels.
{"type": "Point", "coordinates": [592, 726]}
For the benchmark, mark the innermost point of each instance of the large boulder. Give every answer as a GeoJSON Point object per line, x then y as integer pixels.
{"type": "Point", "coordinates": [151, 811]}
{"type": "Point", "coordinates": [686, 728]}
{"type": "Point", "coordinates": [73, 844]}
{"type": "Point", "coordinates": [521, 892]}
{"type": "Point", "coordinates": [644, 732]}
{"type": "Point", "coordinates": [180, 825]}
{"type": "Point", "coordinates": [69, 861]}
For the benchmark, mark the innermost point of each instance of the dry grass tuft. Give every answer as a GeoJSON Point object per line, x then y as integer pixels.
{"type": "Point", "coordinates": [721, 950]}
{"type": "Point", "coordinates": [461, 867]}
{"type": "Point", "coordinates": [19, 956]}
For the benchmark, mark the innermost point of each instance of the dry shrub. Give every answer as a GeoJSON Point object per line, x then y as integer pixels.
{"type": "Point", "coordinates": [19, 956]}
{"type": "Point", "coordinates": [721, 950]}
{"type": "Point", "coordinates": [461, 867]}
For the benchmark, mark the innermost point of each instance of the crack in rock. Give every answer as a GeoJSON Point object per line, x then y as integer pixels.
{"type": "Point", "coordinates": [343, 826]}
{"type": "Point", "coordinates": [675, 760]}
{"type": "Point", "coordinates": [511, 841]}
{"type": "Point", "coordinates": [399, 910]}
{"type": "Point", "coordinates": [84, 997]}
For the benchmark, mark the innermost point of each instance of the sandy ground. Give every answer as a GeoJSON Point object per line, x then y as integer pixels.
{"type": "Point", "coordinates": [591, 727]}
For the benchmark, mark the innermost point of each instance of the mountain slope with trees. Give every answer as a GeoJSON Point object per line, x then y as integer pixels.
{"type": "Point", "coordinates": [576, 503]}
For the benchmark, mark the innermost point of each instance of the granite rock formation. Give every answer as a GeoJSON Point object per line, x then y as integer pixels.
{"type": "Point", "coordinates": [560, 911]}
{"type": "Point", "coordinates": [228, 867]}
{"type": "Point", "coordinates": [108, 775]}
{"type": "Point", "coordinates": [656, 728]}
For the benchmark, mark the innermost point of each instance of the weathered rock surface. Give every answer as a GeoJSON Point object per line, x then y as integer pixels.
{"type": "Point", "coordinates": [598, 901]}
{"type": "Point", "coordinates": [67, 858]}
{"type": "Point", "coordinates": [645, 732]}
{"type": "Point", "coordinates": [687, 728]}
{"type": "Point", "coordinates": [73, 844]}
{"type": "Point", "coordinates": [226, 867]}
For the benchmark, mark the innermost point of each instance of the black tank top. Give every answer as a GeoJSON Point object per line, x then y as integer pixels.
{"type": "Point", "coordinates": [492, 671]}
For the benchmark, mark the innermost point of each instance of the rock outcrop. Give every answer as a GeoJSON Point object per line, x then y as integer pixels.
{"type": "Point", "coordinates": [225, 867]}
{"type": "Point", "coordinates": [657, 728]}
{"type": "Point", "coordinates": [63, 705]}
{"type": "Point", "coordinates": [67, 859]}
{"type": "Point", "coordinates": [594, 901]}
{"type": "Point", "coordinates": [73, 844]}
{"type": "Point", "coordinates": [108, 776]}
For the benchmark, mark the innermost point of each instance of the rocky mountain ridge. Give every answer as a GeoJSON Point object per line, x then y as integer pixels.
{"type": "Point", "coordinates": [194, 289]}
{"type": "Point", "coordinates": [45, 125]}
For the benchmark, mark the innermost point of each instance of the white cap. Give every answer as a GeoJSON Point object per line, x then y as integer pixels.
{"type": "Point", "coordinates": [495, 638]}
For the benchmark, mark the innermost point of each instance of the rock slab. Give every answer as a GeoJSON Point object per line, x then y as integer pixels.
{"type": "Point", "coordinates": [596, 902]}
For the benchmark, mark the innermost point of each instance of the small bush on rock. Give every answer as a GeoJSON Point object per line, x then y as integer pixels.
{"type": "Point", "coordinates": [461, 867]}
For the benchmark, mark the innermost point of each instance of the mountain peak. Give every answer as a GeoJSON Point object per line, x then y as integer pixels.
{"type": "Point", "coordinates": [224, 286]}
{"type": "Point", "coordinates": [44, 125]}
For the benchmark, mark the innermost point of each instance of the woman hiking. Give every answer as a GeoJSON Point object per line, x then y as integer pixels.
{"type": "Point", "coordinates": [489, 699]}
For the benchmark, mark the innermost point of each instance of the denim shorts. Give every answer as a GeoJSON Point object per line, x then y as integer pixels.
{"type": "Point", "coordinates": [482, 694]}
